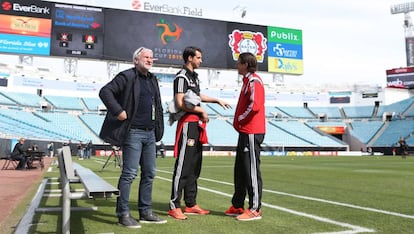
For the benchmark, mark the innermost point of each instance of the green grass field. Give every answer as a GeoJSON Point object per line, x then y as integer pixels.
{"type": "Point", "coordinates": [300, 195]}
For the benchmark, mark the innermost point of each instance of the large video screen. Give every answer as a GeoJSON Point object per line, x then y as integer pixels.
{"type": "Point", "coordinates": [67, 30]}
{"type": "Point", "coordinates": [78, 31]}
{"type": "Point", "coordinates": [166, 35]}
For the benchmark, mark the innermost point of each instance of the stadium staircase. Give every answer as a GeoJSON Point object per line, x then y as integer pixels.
{"type": "Point", "coordinates": [375, 111]}
{"type": "Point", "coordinates": [378, 134]}
{"type": "Point", "coordinates": [343, 115]}
{"type": "Point", "coordinates": [409, 110]}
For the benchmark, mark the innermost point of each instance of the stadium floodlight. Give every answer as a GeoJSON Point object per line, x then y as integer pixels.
{"type": "Point", "coordinates": [240, 10]}
{"type": "Point", "coordinates": [406, 8]}
{"type": "Point", "coordinates": [402, 8]}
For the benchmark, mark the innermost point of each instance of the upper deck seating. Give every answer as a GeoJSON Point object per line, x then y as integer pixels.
{"type": "Point", "coordinates": [295, 111]}
{"type": "Point", "coordinates": [358, 111]}
{"type": "Point", "coordinates": [67, 103]}
{"type": "Point", "coordinates": [305, 132]}
{"type": "Point", "coordinates": [365, 130]}
{"type": "Point", "coordinates": [397, 107]}
{"type": "Point", "coordinates": [394, 131]}
{"type": "Point", "coordinates": [24, 99]}
{"type": "Point", "coordinates": [92, 104]}
{"type": "Point", "coordinates": [276, 136]}
{"type": "Point", "coordinates": [331, 112]}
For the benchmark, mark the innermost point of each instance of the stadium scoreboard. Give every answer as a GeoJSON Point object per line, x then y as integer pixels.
{"type": "Point", "coordinates": [48, 28]}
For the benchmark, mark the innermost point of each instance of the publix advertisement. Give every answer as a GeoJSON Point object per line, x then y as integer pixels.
{"type": "Point", "coordinates": [285, 50]}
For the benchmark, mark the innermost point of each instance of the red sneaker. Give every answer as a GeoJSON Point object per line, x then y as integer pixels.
{"type": "Point", "coordinates": [249, 215]}
{"type": "Point", "coordinates": [196, 210]}
{"type": "Point", "coordinates": [177, 214]}
{"type": "Point", "coordinates": [234, 211]}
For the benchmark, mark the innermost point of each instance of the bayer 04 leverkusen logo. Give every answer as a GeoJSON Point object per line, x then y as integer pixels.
{"type": "Point", "coordinates": [247, 41]}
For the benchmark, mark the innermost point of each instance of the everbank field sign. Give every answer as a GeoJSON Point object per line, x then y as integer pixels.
{"type": "Point", "coordinates": [166, 8]}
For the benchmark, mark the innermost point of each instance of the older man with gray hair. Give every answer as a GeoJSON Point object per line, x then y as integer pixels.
{"type": "Point", "coordinates": [134, 122]}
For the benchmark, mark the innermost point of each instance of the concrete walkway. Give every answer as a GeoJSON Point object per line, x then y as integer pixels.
{"type": "Point", "coordinates": [14, 186]}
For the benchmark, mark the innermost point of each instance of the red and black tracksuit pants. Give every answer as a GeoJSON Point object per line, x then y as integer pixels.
{"type": "Point", "coordinates": [187, 166]}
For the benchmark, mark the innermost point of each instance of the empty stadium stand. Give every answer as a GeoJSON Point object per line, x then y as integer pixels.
{"type": "Point", "coordinates": [65, 103]}
{"type": "Point", "coordinates": [63, 118]}
{"type": "Point", "coordinates": [78, 119]}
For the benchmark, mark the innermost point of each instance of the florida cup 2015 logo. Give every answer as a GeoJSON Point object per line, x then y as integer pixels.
{"type": "Point", "coordinates": [247, 41]}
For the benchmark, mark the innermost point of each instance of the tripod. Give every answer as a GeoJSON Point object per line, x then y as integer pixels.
{"type": "Point", "coordinates": [117, 158]}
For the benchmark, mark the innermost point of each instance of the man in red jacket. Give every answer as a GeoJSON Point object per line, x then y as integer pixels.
{"type": "Point", "coordinates": [249, 121]}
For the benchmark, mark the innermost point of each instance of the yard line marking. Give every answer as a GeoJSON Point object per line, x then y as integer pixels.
{"type": "Point", "coordinates": [343, 204]}
{"type": "Point", "coordinates": [101, 161]}
{"type": "Point", "coordinates": [320, 200]}
{"type": "Point", "coordinates": [354, 229]}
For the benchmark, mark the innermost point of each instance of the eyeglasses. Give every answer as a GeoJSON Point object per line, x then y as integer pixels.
{"type": "Point", "coordinates": [137, 53]}
{"type": "Point", "coordinates": [139, 50]}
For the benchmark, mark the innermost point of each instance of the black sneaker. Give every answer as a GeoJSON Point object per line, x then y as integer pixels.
{"type": "Point", "coordinates": [128, 221]}
{"type": "Point", "coordinates": [151, 218]}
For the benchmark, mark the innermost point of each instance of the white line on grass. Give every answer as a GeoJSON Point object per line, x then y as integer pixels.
{"type": "Point", "coordinates": [354, 229]}
{"type": "Point", "coordinates": [321, 200]}
{"type": "Point", "coordinates": [343, 204]}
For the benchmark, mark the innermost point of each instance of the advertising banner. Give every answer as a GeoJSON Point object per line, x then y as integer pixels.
{"type": "Point", "coordinates": [55, 84]}
{"type": "Point", "coordinates": [25, 27]}
{"type": "Point", "coordinates": [332, 129]}
{"type": "Point", "coordinates": [27, 8]}
{"type": "Point", "coordinates": [285, 50]}
{"type": "Point", "coordinates": [400, 78]}
{"type": "Point", "coordinates": [409, 50]}
{"type": "Point", "coordinates": [12, 43]}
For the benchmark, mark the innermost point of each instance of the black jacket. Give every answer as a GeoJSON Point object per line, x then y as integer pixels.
{"type": "Point", "coordinates": [18, 150]}
{"type": "Point", "coordinates": [122, 93]}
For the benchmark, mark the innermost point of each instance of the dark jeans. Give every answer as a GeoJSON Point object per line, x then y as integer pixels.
{"type": "Point", "coordinates": [21, 159]}
{"type": "Point", "coordinates": [138, 149]}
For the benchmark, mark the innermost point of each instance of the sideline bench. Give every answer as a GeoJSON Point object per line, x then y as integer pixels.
{"type": "Point", "coordinates": [94, 187]}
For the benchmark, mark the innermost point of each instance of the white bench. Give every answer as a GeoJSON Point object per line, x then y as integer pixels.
{"type": "Point", "coordinates": [93, 187]}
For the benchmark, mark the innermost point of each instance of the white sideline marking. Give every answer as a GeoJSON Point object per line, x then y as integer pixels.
{"type": "Point", "coordinates": [354, 229]}
{"type": "Point", "coordinates": [343, 204]}
{"type": "Point", "coordinates": [322, 200]}
{"type": "Point", "coordinates": [100, 161]}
